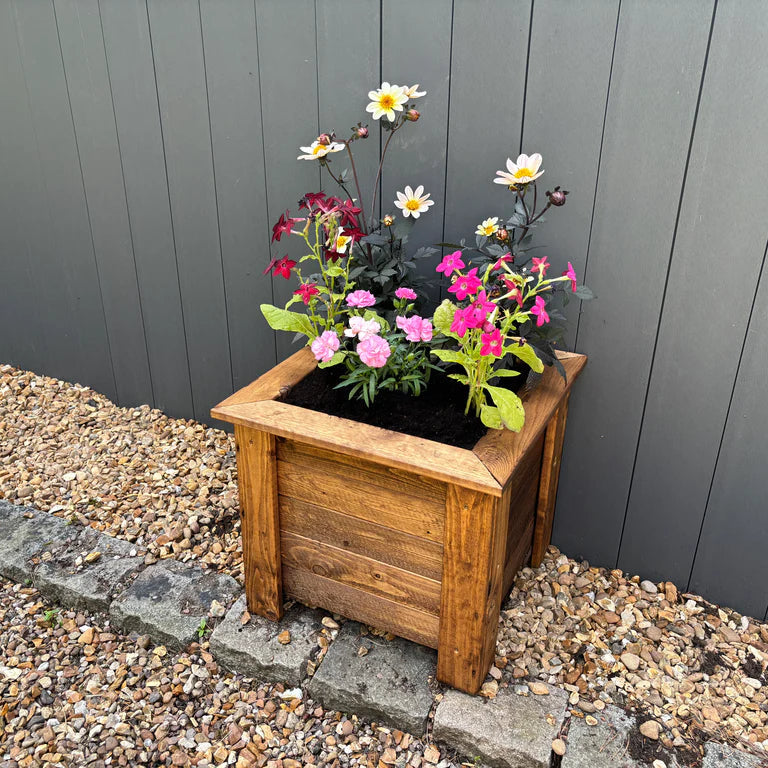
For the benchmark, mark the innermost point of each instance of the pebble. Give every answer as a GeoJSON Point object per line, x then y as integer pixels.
{"type": "Point", "coordinates": [558, 747]}
{"type": "Point", "coordinates": [649, 586]}
{"type": "Point", "coordinates": [538, 688]}
{"type": "Point", "coordinates": [650, 729]}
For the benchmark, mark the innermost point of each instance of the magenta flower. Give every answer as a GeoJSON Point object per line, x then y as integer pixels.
{"type": "Point", "coordinates": [374, 351]}
{"type": "Point", "coordinates": [506, 258]}
{"type": "Point", "coordinates": [540, 265]}
{"type": "Point", "coordinates": [459, 324]}
{"type": "Point", "coordinates": [324, 346]}
{"type": "Point", "coordinates": [450, 263]}
{"type": "Point", "coordinates": [361, 328]}
{"type": "Point", "coordinates": [307, 291]}
{"type": "Point", "coordinates": [479, 309]}
{"type": "Point", "coordinates": [415, 327]}
{"type": "Point", "coordinates": [466, 284]}
{"type": "Point", "coordinates": [539, 309]}
{"type": "Point", "coordinates": [405, 293]}
{"type": "Point", "coordinates": [570, 273]}
{"type": "Point", "coordinates": [491, 343]}
{"type": "Point", "coordinates": [361, 299]}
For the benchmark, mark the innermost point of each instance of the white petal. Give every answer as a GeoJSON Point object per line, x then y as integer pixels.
{"type": "Point", "coordinates": [400, 205]}
{"type": "Point", "coordinates": [419, 191]}
{"type": "Point", "coordinates": [427, 203]}
{"type": "Point", "coordinates": [401, 197]}
{"type": "Point", "coordinates": [511, 167]}
{"type": "Point", "coordinates": [415, 214]}
{"type": "Point", "coordinates": [534, 161]}
{"type": "Point", "coordinates": [522, 161]}
{"type": "Point", "coordinates": [385, 86]}
{"type": "Point", "coordinates": [390, 115]}
{"type": "Point", "coordinates": [406, 212]}
{"type": "Point", "coordinates": [408, 192]}
{"type": "Point", "coordinates": [373, 95]}
{"type": "Point", "coordinates": [536, 176]}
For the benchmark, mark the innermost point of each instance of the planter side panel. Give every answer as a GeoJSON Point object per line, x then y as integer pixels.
{"type": "Point", "coordinates": [361, 539]}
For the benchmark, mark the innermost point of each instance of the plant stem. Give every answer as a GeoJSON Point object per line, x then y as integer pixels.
{"type": "Point", "coordinates": [378, 172]}
{"type": "Point", "coordinates": [357, 184]}
{"type": "Point", "coordinates": [338, 181]}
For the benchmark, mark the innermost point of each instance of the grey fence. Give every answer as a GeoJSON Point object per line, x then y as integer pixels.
{"type": "Point", "coordinates": [146, 146]}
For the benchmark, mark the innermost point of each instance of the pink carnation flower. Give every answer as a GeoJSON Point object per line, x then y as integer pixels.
{"type": "Point", "coordinates": [361, 299]}
{"type": "Point", "coordinates": [374, 351]}
{"type": "Point", "coordinates": [324, 346]}
{"type": "Point", "coordinates": [361, 328]}
{"type": "Point", "coordinates": [416, 328]}
{"type": "Point", "coordinates": [405, 293]}
{"type": "Point", "coordinates": [450, 262]}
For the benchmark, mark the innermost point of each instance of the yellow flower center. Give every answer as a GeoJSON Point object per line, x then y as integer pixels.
{"type": "Point", "coordinates": [413, 204]}
{"type": "Point", "coordinates": [319, 149]}
{"type": "Point", "coordinates": [386, 101]}
{"type": "Point", "coordinates": [489, 230]}
{"type": "Point", "coordinates": [523, 173]}
{"type": "Point", "coordinates": [341, 241]}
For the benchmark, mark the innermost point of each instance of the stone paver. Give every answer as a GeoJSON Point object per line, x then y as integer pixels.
{"type": "Point", "coordinates": [24, 533]}
{"type": "Point", "coordinates": [86, 586]}
{"type": "Point", "coordinates": [168, 600]}
{"type": "Point", "coordinates": [510, 730]}
{"type": "Point", "coordinates": [388, 684]}
{"type": "Point", "coordinates": [253, 649]}
{"type": "Point", "coordinates": [720, 756]}
{"type": "Point", "coordinates": [603, 745]}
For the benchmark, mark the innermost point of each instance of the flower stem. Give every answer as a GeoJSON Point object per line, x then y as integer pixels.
{"type": "Point", "coordinates": [378, 172]}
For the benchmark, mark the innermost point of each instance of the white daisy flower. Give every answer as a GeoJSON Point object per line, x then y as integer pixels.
{"type": "Point", "coordinates": [317, 150]}
{"type": "Point", "coordinates": [524, 171]}
{"type": "Point", "coordinates": [341, 242]}
{"type": "Point", "coordinates": [413, 92]}
{"type": "Point", "coordinates": [386, 100]}
{"type": "Point", "coordinates": [413, 202]}
{"type": "Point", "coordinates": [488, 227]}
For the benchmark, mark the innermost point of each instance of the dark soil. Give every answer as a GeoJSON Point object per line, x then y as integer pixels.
{"type": "Point", "coordinates": [710, 661]}
{"type": "Point", "coordinates": [752, 668]}
{"type": "Point", "coordinates": [437, 414]}
{"type": "Point", "coordinates": [646, 750]}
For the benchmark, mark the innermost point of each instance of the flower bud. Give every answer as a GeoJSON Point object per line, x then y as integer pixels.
{"type": "Point", "coordinates": [324, 139]}
{"type": "Point", "coordinates": [388, 220]}
{"type": "Point", "coordinates": [557, 197]}
{"type": "Point", "coordinates": [502, 235]}
{"type": "Point", "coordinates": [362, 131]}
{"type": "Point", "coordinates": [413, 115]}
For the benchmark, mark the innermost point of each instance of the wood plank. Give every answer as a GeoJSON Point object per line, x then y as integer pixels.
{"type": "Point", "coordinates": [134, 96]}
{"type": "Point", "coordinates": [550, 473]}
{"type": "Point", "coordinates": [381, 446]}
{"type": "Point", "coordinates": [363, 573]}
{"type": "Point", "coordinates": [180, 68]}
{"type": "Point", "coordinates": [412, 553]}
{"type": "Point", "coordinates": [650, 113]}
{"type": "Point", "coordinates": [319, 592]}
{"type": "Point", "coordinates": [473, 575]}
{"type": "Point", "coordinates": [517, 557]}
{"type": "Point", "coordinates": [273, 383]}
{"type": "Point", "coordinates": [501, 450]}
{"type": "Point", "coordinates": [260, 521]}
{"type": "Point", "coordinates": [569, 68]}
{"type": "Point", "coordinates": [688, 396]}
{"type": "Point", "coordinates": [88, 85]}
{"type": "Point", "coordinates": [232, 75]}
{"type": "Point", "coordinates": [398, 507]}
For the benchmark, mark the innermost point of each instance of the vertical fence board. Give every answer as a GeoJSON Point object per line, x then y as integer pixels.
{"type": "Point", "coordinates": [177, 43]}
{"type": "Point", "coordinates": [134, 94]}
{"type": "Point", "coordinates": [484, 128]}
{"type": "Point", "coordinates": [59, 231]}
{"type": "Point", "coordinates": [698, 352]}
{"type": "Point", "coordinates": [85, 66]}
{"type": "Point", "coordinates": [288, 72]}
{"type": "Point", "coordinates": [730, 565]}
{"type": "Point", "coordinates": [650, 115]}
{"type": "Point", "coordinates": [568, 75]}
{"type": "Point", "coordinates": [232, 67]}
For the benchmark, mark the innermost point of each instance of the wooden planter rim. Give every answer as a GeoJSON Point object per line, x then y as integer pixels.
{"type": "Point", "coordinates": [486, 468]}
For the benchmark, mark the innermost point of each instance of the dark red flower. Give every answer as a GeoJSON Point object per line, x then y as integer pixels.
{"type": "Point", "coordinates": [310, 200]}
{"type": "Point", "coordinates": [349, 213]}
{"type": "Point", "coordinates": [281, 266]}
{"type": "Point", "coordinates": [307, 291]}
{"type": "Point", "coordinates": [333, 255]}
{"type": "Point", "coordinates": [284, 225]}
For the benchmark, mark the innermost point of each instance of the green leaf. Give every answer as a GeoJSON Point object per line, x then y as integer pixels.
{"type": "Point", "coordinates": [502, 372]}
{"type": "Point", "coordinates": [490, 416]}
{"type": "Point", "coordinates": [371, 314]}
{"type": "Point", "coordinates": [459, 377]}
{"type": "Point", "coordinates": [528, 355]}
{"type": "Point", "coordinates": [283, 320]}
{"type": "Point", "coordinates": [443, 318]}
{"type": "Point", "coordinates": [584, 293]}
{"type": "Point", "coordinates": [510, 407]}
{"type": "Point", "coordinates": [334, 270]}
{"type": "Point", "coordinates": [451, 356]}
{"type": "Point", "coordinates": [335, 360]}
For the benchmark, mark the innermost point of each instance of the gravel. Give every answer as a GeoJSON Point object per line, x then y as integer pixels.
{"type": "Point", "coordinates": [169, 486]}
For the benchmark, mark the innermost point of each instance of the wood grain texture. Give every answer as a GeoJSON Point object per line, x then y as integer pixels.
{"type": "Point", "coordinates": [501, 450]}
{"type": "Point", "coordinates": [361, 572]}
{"type": "Point", "coordinates": [473, 575]}
{"type": "Point", "coordinates": [411, 553]}
{"type": "Point", "coordinates": [550, 473]}
{"type": "Point", "coordinates": [260, 521]}
{"type": "Point", "coordinates": [317, 591]}
{"type": "Point", "coordinates": [380, 446]}
{"type": "Point", "coordinates": [517, 556]}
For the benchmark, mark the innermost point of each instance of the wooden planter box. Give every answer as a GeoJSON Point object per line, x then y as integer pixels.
{"type": "Point", "coordinates": [409, 535]}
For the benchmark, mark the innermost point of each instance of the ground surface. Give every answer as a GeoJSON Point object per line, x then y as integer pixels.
{"type": "Point", "coordinates": [169, 486]}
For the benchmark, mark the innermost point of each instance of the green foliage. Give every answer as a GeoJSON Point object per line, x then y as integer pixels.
{"type": "Point", "coordinates": [52, 617]}
{"type": "Point", "coordinates": [203, 629]}
{"type": "Point", "coordinates": [284, 320]}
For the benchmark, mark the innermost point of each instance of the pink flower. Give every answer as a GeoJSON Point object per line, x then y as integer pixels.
{"type": "Point", "coordinates": [514, 291]}
{"type": "Point", "coordinates": [466, 284]}
{"type": "Point", "coordinates": [478, 310]}
{"type": "Point", "coordinates": [307, 291]}
{"type": "Point", "coordinates": [361, 328]}
{"type": "Point", "coordinates": [492, 343]}
{"type": "Point", "coordinates": [416, 328]}
{"type": "Point", "coordinates": [361, 299]}
{"type": "Point", "coordinates": [405, 293]}
{"type": "Point", "coordinates": [507, 257]}
{"type": "Point", "coordinates": [540, 265]}
{"type": "Point", "coordinates": [570, 273]}
{"type": "Point", "coordinates": [450, 263]}
{"type": "Point", "coordinates": [374, 351]}
{"type": "Point", "coordinates": [539, 309]}
{"type": "Point", "coordinates": [459, 323]}
{"type": "Point", "coordinates": [324, 346]}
